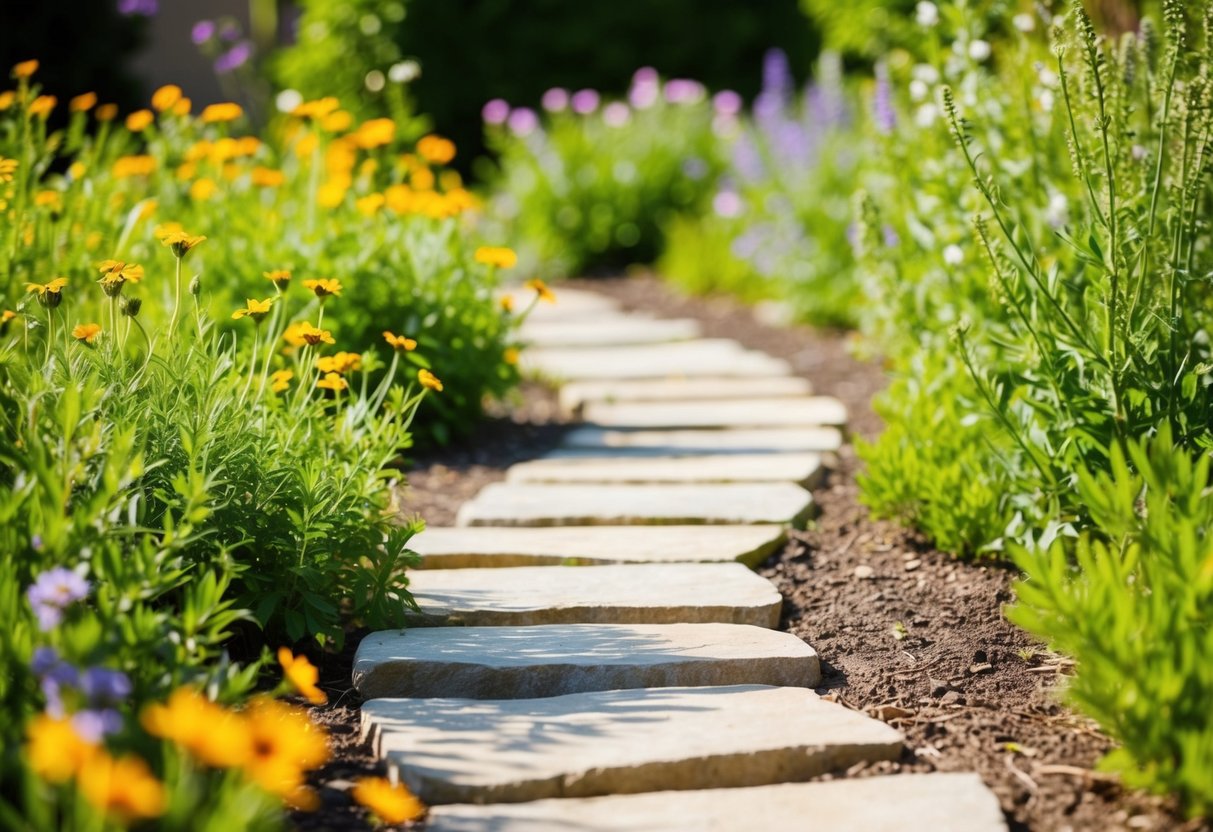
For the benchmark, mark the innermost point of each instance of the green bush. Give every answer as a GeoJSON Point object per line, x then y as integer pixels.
{"type": "Point", "coordinates": [1131, 603]}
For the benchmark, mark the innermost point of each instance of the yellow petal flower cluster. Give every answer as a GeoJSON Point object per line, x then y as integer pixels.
{"type": "Point", "coordinates": [332, 381]}
{"type": "Point", "coordinates": [436, 149]}
{"type": "Point", "coordinates": [323, 287]}
{"type": "Point", "coordinates": [127, 166]}
{"type": "Point", "coordinates": [429, 380]}
{"type": "Point", "coordinates": [220, 113]}
{"type": "Point", "coordinates": [391, 804]}
{"type": "Point", "coordinates": [302, 332]}
{"type": "Point", "coordinates": [255, 309]}
{"type": "Point", "coordinates": [341, 363]}
{"type": "Point", "coordinates": [499, 256]}
{"type": "Point", "coordinates": [399, 342]}
{"type": "Point", "coordinates": [86, 333]}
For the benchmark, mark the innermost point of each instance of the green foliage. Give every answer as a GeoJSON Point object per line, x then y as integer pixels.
{"type": "Point", "coordinates": [1131, 603]}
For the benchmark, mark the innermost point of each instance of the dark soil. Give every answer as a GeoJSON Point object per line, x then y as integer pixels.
{"type": "Point", "coordinates": [906, 633]}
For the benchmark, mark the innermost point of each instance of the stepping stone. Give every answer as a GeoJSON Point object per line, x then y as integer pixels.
{"type": "Point", "coordinates": [618, 742]}
{"type": "Point", "coordinates": [570, 303]}
{"type": "Point", "coordinates": [704, 357]}
{"type": "Point", "coordinates": [452, 548]}
{"type": "Point", "coordinates": [575, 394]}
{"type": "Point", "coordinates": [522, 504]}
{"type": "Point", "coordinates": [753, 413]}
{"type": "Point", "coordinates": [935, 802]}
{"type": "Point", "coordinates": [588, 467]}
{"type": "Point", "coordinates": [639, 594]}
{"type": "Point", "coordinates": [555, 659]}
{"type": "Point", "coordinates": [605, 331]}
{"type": "Point", "coordinates": [694, 442]}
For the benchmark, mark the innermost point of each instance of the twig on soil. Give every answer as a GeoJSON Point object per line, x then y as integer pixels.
{"type": "Point", "coordinates": [1076, 771]}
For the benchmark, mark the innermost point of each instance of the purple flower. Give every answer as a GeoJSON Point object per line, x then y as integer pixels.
{"type": "Point", "coordinates": [684, 91]}
{"type": "Point", "coordinates": [727, 204]}
{"type": "Point", "coordinates": [776, 75]}
{"type": "Point", "coordinates": [695, 168]}
{"type": "Point", "coordinates": [52, 592]}
{"type": "Point", "coordinates": [229, 31]}
{"type": "Point", "coordinates": [523, 121]}
{"type": "Point", "coordinates": [645, 75]}
{"type": "Point", "coordinates": [726, 103]}
{"type": "Point", "coordinates": [103, 684]}
{"type": "Point", "coordinates": [146, 8]}
{"type": "Point", "coordinates": [891, 240]}
{"type": "Point", "coordinates": [616, 114]}
{"type": "Point", "coordinates": [585, 101]}
{"type": "Point", "coordinates": [45, 659]}
{"type": "Point", "coordinates": [93, 725]}
{"type": "Point", "coordinates": [234, 58]}
{"type": "Point", "coordinates": [495, 111]}
{"type": "Point", "coordinates": [203, 31]}
{"type": "Point", "coordinates": [556, 100]}
{"type": "Point", "coordinates": [883, 114]}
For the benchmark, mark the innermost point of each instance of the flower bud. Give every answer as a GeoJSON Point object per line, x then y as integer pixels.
{"type": "Point", "coordinates": [196, 285]}
{"type": "Point", "coordinates": [130, 306]}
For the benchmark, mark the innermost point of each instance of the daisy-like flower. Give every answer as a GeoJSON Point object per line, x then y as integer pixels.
{"type": "Point", "coordinates": [83, 103]}
{"type": "Point", "coordinates": [214, 735]}
{"type": "Point", "coordinates": [541, 289]}
{"type": "Point", "coordinates": [507, 303]}
{"type": "Point", "coordinates": [342, 362]}
{"type": "Point", "coordinates": [86, 333]}
{"type": "Point", "coordinates": [324, 287]}
{"type": "Point", "coordinates": [399, 342]}
{"type": "Point", "coordinates": [123, 787]}
{"type": "Point", "coordinates": [255, 309]}
{"type": "Point", "coordinates": [499, 256]}
{"type": "Point", "coordinates": [304, 333]}
{"type": "Point", "coordinates": [43, 105]}
{"type": "Point", "coordinates": [116, 273]}
{"type": "Point", "coordinates": [8, 168]}
{"type": "Point", "coordinates": [332, 381]}
{"type": "Point", "coordinates": [429, 380]}
{"type": "Point", "coordinates": [228, 111]}
{"type": "Point", "coordinates": [391, 804]}
{"type": "Point", "coordinates": [281, 380]}
{"type": "Point", "coordinates": [166, 98]}
{"type": "Point", "coordinates": [55, 751]}
{"type": "Point", "coordinates": [302, 675]}
{"type": "Point", "coordinates": [54, 591]}
{"type": "Point", "coordinates": [173, 236]}
{"type": "Point", "coordinates": [436, 149]}
{"type": "Point", "coordinates": [139, 120]}
{"type": "Point", "coordinates": [279, 277]}
{"type": "Point", "coordinates": [5, 317]}
{"type": "Point", "coordinates": [49, 294]}
{"type": "Point", "coordinates": [25, 69]}
{"type": "Point", "coordinates": [285, 744]}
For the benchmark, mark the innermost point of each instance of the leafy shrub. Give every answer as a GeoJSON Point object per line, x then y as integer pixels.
{"type": "Point", "coordinates": [1131, 604]}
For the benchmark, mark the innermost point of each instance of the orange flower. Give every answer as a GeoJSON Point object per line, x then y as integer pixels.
{"type": "Point", "coordinates": [499, 256]}
{"type": "Point", "coordinates": [304, 333]}
{"type": "Point", "coordinates": [342, 362]}
{"type": "Point", "coordinates": [284, 745]}
{"type": "Point", "coordinates": [399, 342]}
{"type": "Point", "coordinates": [391, 804]}
{"type": "Point", "coordinates": [279, 277]}
{"type": "Point", "coordinates": [42, 105]}
{"type": "Point", "coordinates": [8, 168]}
{"type": "Point", "coordinates": [54, 287]}
{"type": "Point", "coordinates": [123, 787]}
{"type": "Point", "coordinates": [107, 112]}
{"type": "Point", "coordinates": [55, 752]}
{"type": "Point", "coordinates": [436, 149]}
{"type": "Point", "coordinates": [510, 356]}
{"type": "Point", "coordinates": [174, 236]}
{"type": "Point", "coordinates": [7, 98]}
{"type": "Point", "coordinates": [374, 133]}
{"type": "Point", "coordinates": [280, 380]}
{"type": "Point", "coordinates": [86, 333]}
{"type": "Point", "coordinates": [215, 113]}
{"type": "Point", "coordinates": [338, 122]}
{"type": "Point", "coordinates": [324, 287]}
{"type": "Point", "coordinates": [182, 107]}
{"type": "Point", "coordinates": [429, 380]}
{"type": "Point", "coordinates": [166, 98]}
{"type": "Point", "coordinates": [507, 303]}
{"type": "Point", "coordinates": [301, 673]}
{"type": "Point", "coordinates": [369, 205]}
{"type": "Point", "coordinates": [125, 166]}
{"type": "Point", "coordinates": [319, 108]}
{"type": "Point", "coordinates": [25, 69]}
{"type": "Point", "coordinates": [139, 120]}
{"type": "Point", "coordinates": [214, 735]}
{"type": "Point", "coordinates": [83, 103]}
{"type": "Point", "coordinates": [264, 177]}
{"type": "Point", "coordinates": [541, 289]}
{"type": "Point", "coordinates": [202, 190]}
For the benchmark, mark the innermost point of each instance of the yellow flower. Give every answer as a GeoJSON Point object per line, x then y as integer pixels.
{"type": "Point", "coordinates": [342, 362]}
{"type": "Point", "coordinates": [173, 236]}
{"type": "Point", "coordinates": [499, 256]}
{"type": "Point", "coordinates": [391, 804]}
{"type": "Point", "coordinates": [374, 133]}
{"type": "Point", "coordinates": [7, 98]}
{"type": "Point", "coordinates": [228, 111]}
{"type": "Point", "coordinates": [25, 69]}
{"type": "Point", "coordinates": [115, 274]}
{"type": "Point", "coordinates": [436, 149]}
{"type": "Point", "coordinates": [83, 103]}
{"type": "Point", "coordinates": [166, 98]}
{"type": "Point", "coordinates": [86, 332]}
{"type": "Point", "coordinates": [507, 303]}
{"type": "Point", "coordinates": [255, 309]}
{"type": "Point", "coordinates": [510, 356]}
{"type": "Point", "coordinates": [319, 108]}
{"type": "Point", "coordinates": [214, 735]}
{"type": "Point", "coordinates": [324, 287]}
{"type": "Point", "coordinates": [429, 380]}
{"type": "Point", "coordinates": [331, 194]}
{"type": "Point", "coordinates": [280, 380]}
{"type": "Point", "coordinates": [6, 316]}
{"type": "Point", "coordinates": [399, 342]}
{"type": "Point", "coordinates": [541, 289]}
{"type": "Point", "coordinates": [148, 207]}
{"type": "Point", "coordinates": [264, 177]}
{"type": "Point", "coordinates": [332, 381]}
{"type": "Point", "coordinates": [338, 121]}
{"type": "Point", "coordinates": [123, 787]}
{"type": "Point", "coordinates": [139, 120]}
{"type": "Point", "coordinates": [182, 107]}
{"type": "Point", "coordinates": [107, 112]}
{"type": "Point", "coordinates": [422, 179]}
{"type": "Point", "coordinates": [76, 170]}
{"type": "Point", "coordinates": [284, 745]}
{"type": "Point", "coordinates": [125, 166]}
{"type": "Point", "coordinates": [54, 287]}
{"type": "Point", "coordinates": [55, 752]}
{"type": "Point", "coordinates": [48, 199]}
{"type": "Point", "coordinates": [8, 168]}
{"type": "Point", "coordinates": [369, 205]}
{"type": "Point", "coordinates": [42, 105]}
{"type": "Point", "coordinates": [202, 190]}
{"type": "Point", "coordinates": [302, 674]}
{"type": "Point", "coordinates": [279, 277]}
{"type": "Point", "coordinates": [247, 145]}
{"type": "Point", "coordinates": [304, 333]}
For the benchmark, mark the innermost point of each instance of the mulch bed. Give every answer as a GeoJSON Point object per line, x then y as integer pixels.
{"type": "Point", "coordinates": [906, 633]}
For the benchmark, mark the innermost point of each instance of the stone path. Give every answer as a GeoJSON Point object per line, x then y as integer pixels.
{"type": "Point", "coordinates": [592, 652]}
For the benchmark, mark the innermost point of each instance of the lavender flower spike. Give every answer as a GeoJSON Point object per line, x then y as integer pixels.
{"type": "Point", "coordinates": [882, 102]}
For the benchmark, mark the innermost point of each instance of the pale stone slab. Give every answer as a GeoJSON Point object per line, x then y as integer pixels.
{"type": "Point", "coordinates": [618, 742]}
{"type": "Point", "coordinates": [896, 803]}
{"type": "Point", "coordinates": [752, 413]}
{"type": "Point", "coordinates": [607, 330]}
{"type": "Point", "coordinates": [588, 467]}
{"type": "Point", "coordinates": [570, 303]}
{"type": "Point", "coordinates": [638, 594]}
{"type": "Point", "coordinates": [452, 548]}
{"type": "Point", "coordinates": [693, 442]}
{"type": "Point", "coordinates": [522, 504]}
{"type": "Point", "coordinates": [555, 659]}
{"type": "Point", "coordinates": [575, 394]}
{"type": "Point", "coordinates": [704, 357]}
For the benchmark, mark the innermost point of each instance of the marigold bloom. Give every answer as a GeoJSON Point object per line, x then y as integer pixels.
{"type": "Point", "coordinates": [25, 69]}
{"type": "Point", "coordinates": [203, 190]}
{"type": "Point", "coordinates": [332, 381]}
{"type": "Point", "coordinates": [125, 166]}
{"type": "Point", "coordinates": [255, 309]}
{"type": "Point", "coordinates": [324, 287]}
{"type": "Point", "coordinates": [183, 107]}
{"type": "Point", "coordinates": [305, 333]}
{"type": "Point", "coordinates": [338, 122]}
{"type": "Point", "coordinates": [214, 735]}
{"type": "Point", "coordinates": [54, 287]}
{"type": "Point", "coordinates": [83, 103]}
{"type": "Point", "coordinates": [284, 745]}
{"type": "Point", "coordinates": [123, 787]}
{"type": "Point", "coordinates": [541, 289]}
{"type": "Point", "coordinates": [42, 105]}
{"type": "Point", "coordinates": [139, 120]}
{"type": "Point", "coordinates": [264, 177]}
{"type": "Point", "coordinates": [499, 256]}
{"type": "Point", "coordinates": [55, 752]}
{"type": "Point", "coordinates": [107, 112]}
{"type": "Point", "coordinates": [49, 199]}
{"type": "Point", "coordinates": [436, 149]}
{"type": "Point", "coordinates": [319, 108]}
{"type": "Point", "coordinates": [422, 179]}
{"type": "Point", "coordinates": [391, 804]}
{"type": "Point", "coordinates": [86, 333]}
{"type": "Point", "coordinates": [429, 380]}
{"type": "Point", "coordinates": [279, 277]}
{"type": "Point", "coordinates": [215, 113]}
{"type": "Point", "coordinates": [7, 98]}
{"type": "Point", "coordinates": [374, 133]}
{"type": "Point", "coordinates": [342, 362]}
{"type": "Point", "coordinates": [119, 270]}
{"type": "Point", "coordinates": [302, 675]}
{"type": "Point", "coordinates": [280, 380]}
{"type": "Point", "coordinates": [173, 236]}
{"type": "Point", "coordinates": [166, 98]}
{"type": "Point", "coordinates": [399, 342]}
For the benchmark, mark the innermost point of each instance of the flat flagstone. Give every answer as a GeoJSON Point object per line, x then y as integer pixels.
{"type": "Point", "coordinates": [452, 548]}
{"type": "Point", "coordinates": [635, 594]}
{"type": "Point", "coordinates": [618, 742]}
{"type": "Point", "coordinates": [524, 504]}
{"type": "Point", "coordinates": [570, 303]}
{"type": "Point", "coordinates": [577, 393]}
{"type": "Point", "coordinates": [607, 330]}
{"type": "Point", "coordinates": [591, 466]}
{"type": "Point", "coordinates": [555, 659]}
{"type": "Point", "coordinates": [895, 803]}
{"type": "Point", "coordinates": [810, 410]}
{"type": "Point", "coordinates": [703, 357]}
{"type": "Point", "coordinates": [692, 442]}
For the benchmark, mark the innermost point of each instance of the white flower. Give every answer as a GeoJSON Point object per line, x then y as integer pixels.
{"type": "Point", "coordinates": [404, 71]}
{"type": "Point", "coordinates": [1048, 77]}
{"type": "Point", "coordinates": [919, 90]}
{"type": "Point", "coordinates": [953, 255]}
{"type": "Point", "coordinates": [1024, 22]}
{"type": "Point", "coordinates": [979, 50]}
{"type": "Point", "coordinates": [926, 13]}
{"type": "Point", "coordinates": [925, 115]}
{"type": "Point", "coordinates": [1057, 213]}
{"type": "Point", "coordinates": [1140, 153]}
{"type": "Point", "coordinates": [287, 100]}
{"type": "Point", "coordinates": [926, 73]}
{"type": "Point", "coordinates": [1046, 100]}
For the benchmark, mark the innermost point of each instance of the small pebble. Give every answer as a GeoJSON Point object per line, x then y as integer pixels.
{"type": "Point", "coordinates": [911, 565]}
{"type": "Point", "coordinates": [863, 571]}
